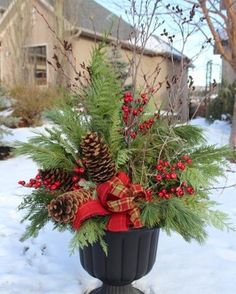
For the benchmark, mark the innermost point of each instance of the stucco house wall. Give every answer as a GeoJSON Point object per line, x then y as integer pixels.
{"type": "Point", "coordinates": [228, 73]}
{"type": "Point", "coordinates": [82, 45]}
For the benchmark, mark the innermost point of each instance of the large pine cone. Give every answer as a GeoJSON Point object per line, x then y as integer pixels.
{"type": "Point", "coordinates": [57, 175]}
{"type": "Point", "coordinates": [98, 158]}
{"type": "Point", "coordinates": [63, 208]}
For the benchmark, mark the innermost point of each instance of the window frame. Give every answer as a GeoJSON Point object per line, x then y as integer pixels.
{"type": "Point", "coordinates": [47, 69]}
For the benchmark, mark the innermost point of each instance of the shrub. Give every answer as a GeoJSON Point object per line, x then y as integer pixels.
{"type": "Point", "coordinates": [223, 104]}
{"type": "Point", "coordinates": [31, 101]}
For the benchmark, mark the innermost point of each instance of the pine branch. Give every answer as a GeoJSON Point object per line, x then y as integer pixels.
{"type": "Point", "coordinates": [175, 215]}
{"type": "Point", "coordinates": [69, 122]}
{"type": "Point", "coordinates": [102, 96]}
{"type": "Point", "coordinates": [52, 156]}
{"type": "Point", "coordinates": [192, 135]}
{"type": "Point", "coordinates": [37, 214]}
{"type": "Point", "coordinates": [90, 232]}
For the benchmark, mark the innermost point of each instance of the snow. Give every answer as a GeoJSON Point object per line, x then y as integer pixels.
{"type": "Point", "coordinates": [158, 45]}
{"type": "Point", "coordinates": [43, 265]}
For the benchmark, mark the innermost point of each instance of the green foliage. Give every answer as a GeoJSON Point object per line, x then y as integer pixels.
{"type": "Point", "coordinates": [191, 134]}
{"type": "Point", "coordinates": [90, 232]}
{"type": "Point", "coordinates": [56, 147]}
{"type": "Point", "coordinates": [175, 215]}
{"type": "Point", "coordinates": [69, 122]}
{"type": "Point", "coordinates": [102, 97]}
{"type": "Point", "coordinates": [188, 218]}
{"type": "Point", "coordinates": [47, 156]}
{"type": "Point", "coordinates": [35, 204]}
{"type": "Point", "coordinates": [223, 103]}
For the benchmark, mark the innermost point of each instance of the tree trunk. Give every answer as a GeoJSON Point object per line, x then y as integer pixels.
{"type": "Point", "coordinates": [233, 129]}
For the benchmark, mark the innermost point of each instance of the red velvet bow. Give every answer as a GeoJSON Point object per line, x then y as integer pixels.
{"type": "Point", "coordinates": [116, 198]}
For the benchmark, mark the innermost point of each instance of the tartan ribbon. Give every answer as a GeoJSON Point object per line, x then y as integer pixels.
{"type": "Point", "coordinates": [116, 198]}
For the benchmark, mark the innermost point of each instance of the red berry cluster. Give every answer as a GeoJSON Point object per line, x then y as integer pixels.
{"type": "Point", "coordinates": [51, 184]}
{"type": "Point", "coordinates": [168, 179]}
{"type": "Point", "coordinates": [131, 109]}
{"type": "Point", "coordinates": [146, 125]}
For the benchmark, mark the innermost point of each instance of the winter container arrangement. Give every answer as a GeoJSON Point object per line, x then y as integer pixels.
{"type": "Point", "coordinates": [114, 175]}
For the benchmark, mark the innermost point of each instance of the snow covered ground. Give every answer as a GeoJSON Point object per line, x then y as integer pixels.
{"type": "Point", "coordinates": [43, 265]}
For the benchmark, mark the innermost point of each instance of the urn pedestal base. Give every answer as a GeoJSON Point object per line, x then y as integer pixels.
{"type": "Point", "coordinates": [108, 289]}
{"type": "Point", "coordinates": [131, 255]}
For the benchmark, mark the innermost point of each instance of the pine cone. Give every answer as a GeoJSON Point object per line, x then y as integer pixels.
{"type": "Point", "coordinates": [57, 175]}
{"type": "Point", "coordinates": [97, 158]}
{"type": "Point", "coordinates": [63, 208]}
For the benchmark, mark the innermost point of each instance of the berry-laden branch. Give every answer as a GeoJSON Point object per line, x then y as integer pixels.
{"type": "Point", "coordinates": [167, 180]}
{"type": "Point", "coordinates": [133, 110]}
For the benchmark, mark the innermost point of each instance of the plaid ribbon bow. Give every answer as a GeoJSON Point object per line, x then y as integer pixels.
{"type": "Point", "coordinates": [117, 199]}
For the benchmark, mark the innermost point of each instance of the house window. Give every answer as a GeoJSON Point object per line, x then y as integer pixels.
{"type": "Point", "coordinates": [37, 57]}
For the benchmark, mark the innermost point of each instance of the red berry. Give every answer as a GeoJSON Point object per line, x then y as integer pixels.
{"type": "Point", "coordinates": [75, 179]}
{"type": "Point", "coordinates": [180, 165]}
{"type": "Point", "coordinates": [32, 181]}
{"type": "Point", "coordinates": [151, 120]}
{"type": "Point", "coordinates": [160, 161]}
{"type": "Point", "coordinates": [149, 195]}
{"type": "Point", "coordinates": [167, 196]}
{"type": "Point", "coordinates": [127, 94]}
{"type": "Point", "coordinates": [133, 135]}
{"type": "Point", "coordinates": [184, 184]}
{"type": "Point", "coordinates": [135, 112]}
{"type": "Point", "coordinates": [125, 108]}
{"type": "Point", "coordinates": [126, 100]}
{"type": "Point", "coordinates": [57, 183]}
{"type": "Point", "coordinates": [166, 163]}
{"type": "Point", "coordinates": [76, 187]}
{"type": "Point", "coordinates": [160, 194]}
{"type": "Point", "coordinates": [189, 161]}
{"type": "Point", "coordinates": [183, 167]}
{"type": "Point", "coordinates": [158, 177]}
{"type": "Point", "coordinates": [53, 187]}
{"type": "Point", "coordinates": [81, 170]}
{"type": "Point", "coordinates": [185, 157]}
{"type": "Point", "coordinates": [190, 190]}
{"type": "Point", "coordinates": [173, 176]}
{"type": "Point", "coordinates": [179, 191]}
{"type": "Point", "coordinates": [165, 172]}
{"type": "Point", "coordinates": [21, 183]}
{"type": "Point", "coordinates": [77, 170]}
{"type": "Point", "coordinates": [38, 185]}
{"type": "Point", "coordinates": [159, 167]}
{"type": "Point", "coordinates": [172, 190]}
{"type": "Point", "coordinates": [38, 177]}
{"type": "Point", "coordinates": [140, 109]}
{"type": "Point", "coordinates": [143, 95]}
{"type": "Point", "coordinates": [167, 176]}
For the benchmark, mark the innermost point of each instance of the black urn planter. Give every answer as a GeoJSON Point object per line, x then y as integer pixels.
{"type": "Point", "coordinates": [131, 255]}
